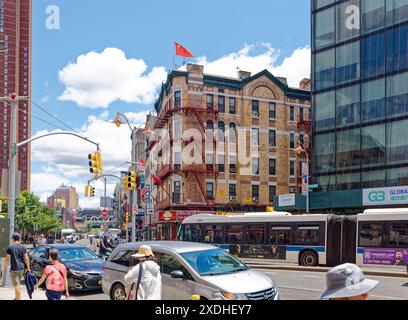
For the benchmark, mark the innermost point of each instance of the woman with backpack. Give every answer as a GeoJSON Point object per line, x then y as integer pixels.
{"type": "Point", "coordinates": [144, 278]}
{"type": "Point", "coordinates": [55, 276]}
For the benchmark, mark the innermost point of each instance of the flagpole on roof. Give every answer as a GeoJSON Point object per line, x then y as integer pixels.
{"type": "Point", "coordinates": [174, 57]}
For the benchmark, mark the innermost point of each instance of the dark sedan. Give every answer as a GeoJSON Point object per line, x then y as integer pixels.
{"type": "Point", "coordinates": [85, 268]}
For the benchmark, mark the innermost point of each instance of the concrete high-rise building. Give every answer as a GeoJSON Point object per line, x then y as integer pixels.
{"type": "Point", "coordinates": [69, 195]}
{"type": "Point", "coordinates": [106, 202]}
{"type": "Point", "coordinates": [360, 103]}
{"type": "Point", "coordinates": [15, 76]}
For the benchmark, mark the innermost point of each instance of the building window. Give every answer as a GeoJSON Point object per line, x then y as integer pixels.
{"type": "Point", "coordinates": [302, 114]}
{"type": "Point", "coordinates": [373, 56]}
{"type": "Point", "coordinates": [348, 106]}
{"type": "Point", "coordinates": [397, 49]}
{"type": "Point", "coordinates": [272, 193]}
{"type": "Point", "coordinates": [221, 163]}
{"type": "Point", "coordinates": [348, 63]}
{"type": "Point", "coordinates": [272, 167]}
{"type": "Point", "coordinates": [373, 15]}
{"type": "Point", "coordinates": [177, 99]}
{"type": "Point", "coordinates": [255, 166]}
{"type": "Point", "coordinates": [373, 100]}
{"type": "Point", "coordinates": [209, 160]}
{"type": "Point", "coordinates": [324, 111]}
{"type": "Point", "coordinates": [292, 168]}
{"type": "Point", "coordinates": [232, 105]}
{"type": "Point", "coordinates": [232, 189]}
{"type": "Point", "coordinates": [397, 95]}
{"type": "Point", "coordinates": [210, 101]}
{"type": "Point", "coordinates": [221, 104]}
{"type": "Point", "coordinates": [255, 192]}
{"type": "Point", "coordinates": [232, 133]}
{"type": "Point", "coordinates": [397, 146]}
{"type": "Point", "coordinates": [233, 164]}
{"type": "Point", "coordinates": [397, 11]}
{"type": "Point", "coordinates": [272, 110]}
{"type": "Point", "coordinates": [177, 128]}
{"type": "Point", "coordinates": [255, 108]}
{"type": "Point", "coordinates": [292, 139]}
{"type": "Point", "coordinates": [324, 73]}
{"type": "Point", "coordinates": [210, 190]}
{"type": "Point", "coordinates": [324, 28]}
{"type": "Point", "coordinates": [348, 149]}
{"type": "Point", "coordinates": [221, 131]}
{"type": "Point", "coordinates": [272, 138]}
{"type": "Point", "coordinates": [292, 113]}
{"type": "Point", "coordinates": [209, 133]}
{"type": "Point", "coordinates": [302, 138]}
{"type": "Point", "coordinates": [373, 147]}
{"type": "Point", "coordinates": [255, 136]}
{"type": "Point", "coordinates": [344, 32]}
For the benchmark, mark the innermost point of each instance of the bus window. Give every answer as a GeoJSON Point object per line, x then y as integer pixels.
{"type": "Point", "coordinates": [255, 234]}
{"type": "Point", "coordinates": [213, 233]}
{"type": "Point", "coordinates": [191, 232]}
{"type": "Point", "coordinates": [280, 235]}
{"type": "Point", "coordinates": [307, 234]}
{"type": "Point", "coordinates": [398, 235]}
{"type": "Point", "coordinates": [370, 235]}
{"type": "Point", "coordinates": [234, 233]}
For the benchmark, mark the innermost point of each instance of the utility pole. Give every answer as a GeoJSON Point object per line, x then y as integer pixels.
{"type": "Point", "coordinates": [13, 100]}
{"type": "Point", "coordinates": [133, 192]}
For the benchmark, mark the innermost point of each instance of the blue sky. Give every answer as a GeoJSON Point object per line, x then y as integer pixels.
{"type": "Point", "coordinates": [145, 31]}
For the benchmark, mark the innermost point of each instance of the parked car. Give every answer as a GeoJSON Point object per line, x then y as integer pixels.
{"type": "Point", "coordinates": [85, 268]}
{"type": "Point", "coordinates": [189, 269]}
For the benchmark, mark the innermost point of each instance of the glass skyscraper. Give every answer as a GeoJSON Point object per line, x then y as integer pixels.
{"type": "Point", "coordinates": [360, 93]}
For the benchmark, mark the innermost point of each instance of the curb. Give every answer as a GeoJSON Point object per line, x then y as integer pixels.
{"type": "Point", "coordinates": [324, 269]}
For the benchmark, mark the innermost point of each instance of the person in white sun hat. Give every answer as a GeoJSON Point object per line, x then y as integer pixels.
{"type": "Point", "coordinates": [144, 279]}
{"type": "Point", "coordinates": [347, 282]}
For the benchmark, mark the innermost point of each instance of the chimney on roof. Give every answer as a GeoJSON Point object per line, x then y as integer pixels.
{"type": "Point", "coordinates": [195, 69]}
{"type": "Point", "coordinates": [244, 74]}
{"type": "Point", "coordinates": [283, 80]}
{"type": "Point", "coordinates": [305, 84]}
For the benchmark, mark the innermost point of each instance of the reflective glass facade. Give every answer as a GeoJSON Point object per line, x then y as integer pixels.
{"type": "Point", "coordinates": [360, 93]}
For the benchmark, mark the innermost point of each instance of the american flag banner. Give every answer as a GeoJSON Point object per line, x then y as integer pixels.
{"type": "Point", "coordinates": [143, 193]}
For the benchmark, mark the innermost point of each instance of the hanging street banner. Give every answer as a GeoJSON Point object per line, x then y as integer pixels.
{"type": "Point", "coordinates": [147, 196]}
{"type": "Point", "coordinates": [305, 178]}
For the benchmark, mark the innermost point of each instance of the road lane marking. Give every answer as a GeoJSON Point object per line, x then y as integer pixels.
{"type": "Point", "coordinates": [310, 276]}
{"type": "Point", "coordinates": [300, 289]}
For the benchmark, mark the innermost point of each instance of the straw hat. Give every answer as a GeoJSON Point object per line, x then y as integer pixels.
{"type": "Point", "coordinates": [144, 251]}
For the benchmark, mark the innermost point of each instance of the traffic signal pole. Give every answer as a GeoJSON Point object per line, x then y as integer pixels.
{"type": "Point", "coordinates": [133, 192]}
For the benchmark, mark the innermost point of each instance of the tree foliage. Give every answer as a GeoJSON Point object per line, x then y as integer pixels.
{"type": "Point", "coordinates": [30, 212]}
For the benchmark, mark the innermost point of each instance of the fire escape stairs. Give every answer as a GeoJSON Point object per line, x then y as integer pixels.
{"type": "Point", "coordinates": [200, 185]}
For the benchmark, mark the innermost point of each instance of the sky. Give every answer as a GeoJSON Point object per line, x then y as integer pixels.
{"type": "Point", "coordinates": [108, 56]}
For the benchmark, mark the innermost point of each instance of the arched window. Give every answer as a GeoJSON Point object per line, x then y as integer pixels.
{"type": "Point", "coordinates": [232, 133]}
{"type": "Point", "coordinates": [221, 131]}
{"type": "Point", "coordinates": [209, 131]}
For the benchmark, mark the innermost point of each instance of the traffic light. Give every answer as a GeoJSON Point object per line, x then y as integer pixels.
{"type": "Point", "coordinates": [87, 189]}
{"type": "Point", "coordinates": [125, 182]}
{"type": "Point", "coordinates": [126, 217]}
{"type": "Point", "coordinates": [95, 162]}
{"type": "Point", "coordinates": [132, 180]}
{"type": "Point", "coordinates": [92, 191]}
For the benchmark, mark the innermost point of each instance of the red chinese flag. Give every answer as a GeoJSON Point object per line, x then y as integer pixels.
{"type": "Point", "coordinates": [183, 52]}
{"type": "Point", "coordinates": [156, 180]}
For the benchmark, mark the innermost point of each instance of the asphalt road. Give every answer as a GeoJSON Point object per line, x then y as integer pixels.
{"type": "Point", "coordinates": [300, 285]}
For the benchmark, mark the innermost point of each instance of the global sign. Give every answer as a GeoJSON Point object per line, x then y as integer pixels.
{"type": "Point", "coordinates": [385, 196]}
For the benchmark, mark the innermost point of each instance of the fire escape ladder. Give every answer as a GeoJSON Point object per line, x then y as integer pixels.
{"type": "Point", "coordinates": [200, 185]}
{"type": "Point", "coordinates": [199, 120]}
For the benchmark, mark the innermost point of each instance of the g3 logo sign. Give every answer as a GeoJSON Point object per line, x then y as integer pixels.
{"type": "Point", "coordinates": [376, 196]}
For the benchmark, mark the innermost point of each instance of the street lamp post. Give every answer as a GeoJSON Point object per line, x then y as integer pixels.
{"type": "Point", "coordinates": [132, 195]}
{"type": "Point", "coordinates": [299, 150]}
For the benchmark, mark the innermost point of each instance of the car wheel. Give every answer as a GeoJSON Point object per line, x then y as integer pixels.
{"type": "Point", "coordinates": [118, 292]}
{"type": "Point", "coordinates": [308, 259]}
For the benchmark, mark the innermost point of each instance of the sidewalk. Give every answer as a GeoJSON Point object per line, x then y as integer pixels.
{"type": "Point", "coordinates": [7, 293]}
{"type": "Point", "coordinates": [386, 271]}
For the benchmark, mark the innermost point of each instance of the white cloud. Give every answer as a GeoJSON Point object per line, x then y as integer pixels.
{"type": "Point", "coordinates": [96, 80]}
{"type": "Point", "coordinates": [255, 58]}
{"type": "Point", "coordinates": [45, 98]}
{"type": "Point", "coordinates": [66, 157]}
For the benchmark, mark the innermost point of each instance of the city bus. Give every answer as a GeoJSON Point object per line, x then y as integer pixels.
{"type": "Point", "coordinates": [376, 237]}
{"type": "Point", "coordinates": [272, 236]}
{"type": "Point", "coordinates": [382, 237]}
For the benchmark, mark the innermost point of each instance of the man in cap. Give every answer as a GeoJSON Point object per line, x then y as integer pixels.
{"type": "Point", "coordinates": [144, 278]}
{"type": "Point", "coordinates": [347, 282]}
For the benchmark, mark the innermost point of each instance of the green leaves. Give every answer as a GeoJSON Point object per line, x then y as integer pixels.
{"type": "Point", "coordinates": [31, 214]}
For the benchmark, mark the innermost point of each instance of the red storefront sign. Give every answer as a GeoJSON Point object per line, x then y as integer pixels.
{"type": "Point", "coordinates": [176, 216]}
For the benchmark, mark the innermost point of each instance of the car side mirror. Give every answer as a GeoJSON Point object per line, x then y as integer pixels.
{"type": "Point", "coordinates": [177, 274]}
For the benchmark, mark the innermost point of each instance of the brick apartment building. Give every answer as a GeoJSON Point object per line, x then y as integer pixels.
{"type": "Point", "coordinates": [15, 76]}
{"type": "Point", "coordinates": [68, 194]}
{"type": "Point", "coordinates": [230, 145]}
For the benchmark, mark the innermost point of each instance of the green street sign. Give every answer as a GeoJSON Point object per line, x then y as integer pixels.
{"type": "Point", "coordinates": [313, 186]}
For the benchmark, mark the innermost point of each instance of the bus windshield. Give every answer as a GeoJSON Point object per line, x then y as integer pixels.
{"type": "Point", "coordinates": [213, 262]}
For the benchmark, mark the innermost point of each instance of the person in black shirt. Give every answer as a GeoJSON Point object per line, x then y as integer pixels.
{"type": "Point", "coordinates": [18, 258]}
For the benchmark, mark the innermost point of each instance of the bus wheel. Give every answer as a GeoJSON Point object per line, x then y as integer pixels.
{"type": "Point", "coordinates": [308, 259]}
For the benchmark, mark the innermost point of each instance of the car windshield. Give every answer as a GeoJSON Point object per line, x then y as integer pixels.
{"type": "Point", "coordinates": [213, 262]}
{"type": "Point", "coordinates": [77, 254]}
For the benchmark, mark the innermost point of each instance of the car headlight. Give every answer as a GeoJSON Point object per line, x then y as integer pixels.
{"type": "Point", "coordinates": [233, 296]}
{"type": "Point", "coordinates": [78, 273]}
